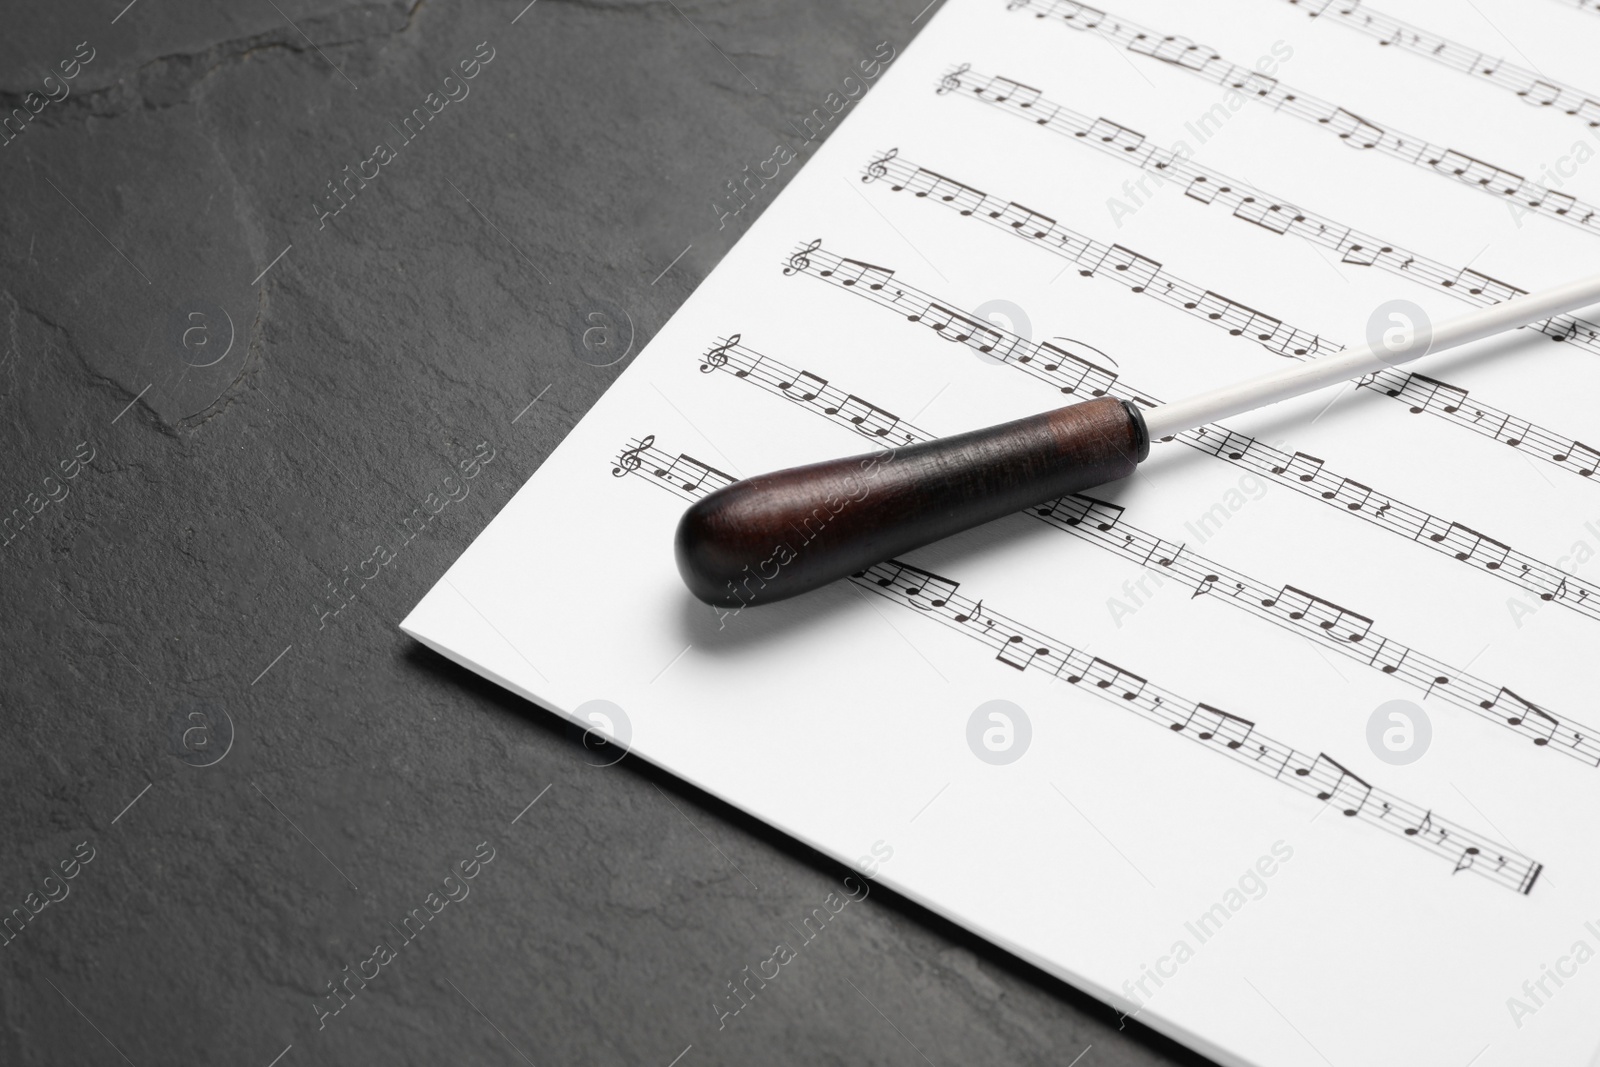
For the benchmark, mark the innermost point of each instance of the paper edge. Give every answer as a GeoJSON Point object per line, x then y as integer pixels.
{"type": "Point", "coordinates": [416, 627]}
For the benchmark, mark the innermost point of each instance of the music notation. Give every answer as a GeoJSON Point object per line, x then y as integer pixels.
{"type": "Point", "coordinates": [1206, 186]}
{"type": "Point", "coordinates": [1314, 618]}
{"type": "Point", "coordinates": [1347, 792]}
{"type": "Point", "coordinates": [683, 475]}
{"type": "Point", "coordinates": [1352, 129]}
{"type": "Point", "coordinates": [1139, 273]}
{"type": "Point", "coordinates": [1023, 648]}
{"type": "Point", "coordinates": [1144, 275]}
{"type": "Point", "coordinates": [1529, 86]}
{"type": "Point", "coordinates": [805, 388]}
{"type": "Point", "coordinates": [1306, 475]}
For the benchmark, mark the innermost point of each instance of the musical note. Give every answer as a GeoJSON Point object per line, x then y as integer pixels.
{"type": "Point", "coordinates": [1511, 431]}
{"type": "Point", "coordinates": [1010, 649]}
{"type": "Point", "coordinates": [1097, 378]}
{"type": "Point", "coordinates": [853, 272]}
{"type": "Point", "coordinates": [1424, 393]}
{"type": "Point", "coordinates": [1360, 255]}
{"type": "Point", "coordinates": [1477, 283]}
{"type": "Point", "coordinates": [960, 329]}
{"type": "Point", "coordinates": [1026, 221]}
{"type": "Point", "coordinates": [976, 613]}
{"type": "Point", "coordinates": [1003, 89]}
{"type": "Point", "coordinates": [1079, 16]}
{"type": "Point", "coordinates": [1477, 172]}
{"type": "Point", "coordinates": [1214, 722]}
{"type": "Point", "coordinates": [1344, 783]}
{"type": "Point", "coordinates": [1559, 203]}
{"type": "Point", "coordinates": [1163, 558]}
{"type": "Point", "coordinates": [1471, 546]}
{"type": "Point", "coordinates": [1110, 133]}
{"type": "Point", "coordinates": [690, 473]}
{"type": "Point", "coordinates": [806, 386]}
{"type": "Point", "coordinates": [1179, 51]}
{"type": "Point", "coordinates": [873, 420]}
{"type": "Point", "coordinates": [1201, 188]}
{"type": "Point", "coordinates": [1302, 466]}
{"type": "Point", "coordinates": [1326, 615]}
{"type": "Point", "coordinates": [927, 183]}
{"type": "Point", "coordinates": [1386, 660]}
{"type": "Point", "coordinates": [1586, 459]}
{"type": "Point", "coordinates": [1254, 83]}
{"type": "Point", "coordinates": [1518, 711]}
{"type": "Point", "coordinates": [1352, 494]}
{"type": "Point", "coordinates": [1353, 129]}
{"type": "Point", "coordinates": [1275, 217]}
{"type": "Point", "coordinates": [1112, 678]}
{"type": "Point", "coordinates": [1126, 261]}
{"type": "Point", "coordinates": [1235, 445]}
{"type": "Point", "coordinates": [1547, 722]}
{"type": "Point", "coordinates": [1079, 508]}
{"type": "Point", "coordinates": [917, 584]}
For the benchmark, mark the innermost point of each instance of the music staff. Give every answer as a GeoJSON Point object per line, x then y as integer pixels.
{"type": "Point", "coordinates": [1314, 618]}
{"type": "Point", "coordinates": [629, 459]}
{"type": "Point", "coordinates": [1206, 186]}
{"type": "Point", "coordinates": [1144, 275]}
{"type": "Point", "coordinates": [1529, 86]}
{"type": "Point", "coordinates": [683, 475]}
{"type": "Point", "coordinates": [1320, 777]}
{"type": "Point", "coordinates": [1305, 475]}
{"type": "Point", "coordinates": [1353, 129]}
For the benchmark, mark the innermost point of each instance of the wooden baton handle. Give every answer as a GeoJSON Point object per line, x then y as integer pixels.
{"type": "Point", "coordinates": [777, 535]}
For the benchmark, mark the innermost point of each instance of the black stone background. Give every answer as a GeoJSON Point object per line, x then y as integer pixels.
{"type": "Point", "coordinates": [203, 539]}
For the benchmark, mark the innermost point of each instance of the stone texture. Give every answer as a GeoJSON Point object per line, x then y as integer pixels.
{"type": "Point", "coordinates": [184, 576]}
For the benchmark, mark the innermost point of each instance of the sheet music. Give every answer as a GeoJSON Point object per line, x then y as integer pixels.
{"type": "Point", "coordinates": [1042, 202]}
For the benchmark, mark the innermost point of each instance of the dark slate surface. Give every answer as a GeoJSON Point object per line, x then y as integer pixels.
{"type": "Point", "coordinates": [266, 788]}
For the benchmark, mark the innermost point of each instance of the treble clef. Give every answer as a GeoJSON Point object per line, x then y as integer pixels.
{"type": "Point", "coordinates": [718, 356]}
{"type": "Point", "coordinates": [629, 460]}
{"type": "Point", "coordinates": [877, 168]}
{"type": "Point", "coordinates": [952, 81]}
{"type": "Point", "coordinates": [801, 260]}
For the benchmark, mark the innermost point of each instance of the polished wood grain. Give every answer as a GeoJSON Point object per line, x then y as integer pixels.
{"type": "Point", "coordinates": [777, 535]}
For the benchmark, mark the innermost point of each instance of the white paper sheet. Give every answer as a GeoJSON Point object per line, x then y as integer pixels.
{"type": "Point", "coordinates": [1424, 540]}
